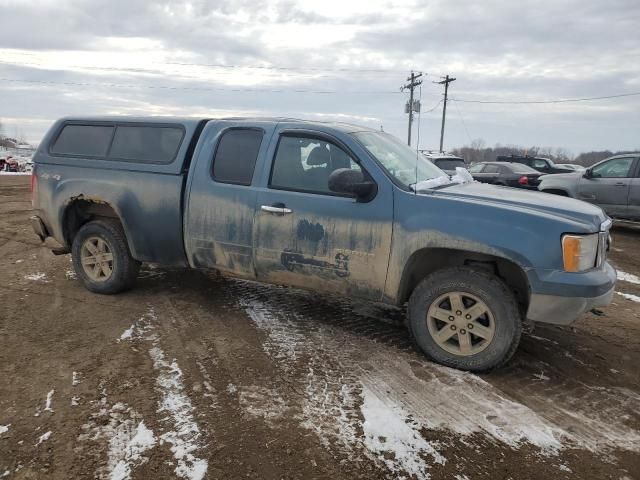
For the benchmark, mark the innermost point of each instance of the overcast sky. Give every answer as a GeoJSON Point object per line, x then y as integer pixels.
{"type": "Point", "coordinates": [331, 60]}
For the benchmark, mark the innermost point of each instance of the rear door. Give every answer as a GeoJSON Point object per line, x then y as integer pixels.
{"type": "Point", "coordinates": [222, 194]}
{"type": "Point", "coordinates": [609, 185]}
{"type": "Point", "coordinates": [306, 235]}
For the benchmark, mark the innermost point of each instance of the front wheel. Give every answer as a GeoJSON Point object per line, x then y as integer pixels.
{"type": "Point", "coordinates": [101, 257]}
{"type": "Point", "coordinates": [465, 318]}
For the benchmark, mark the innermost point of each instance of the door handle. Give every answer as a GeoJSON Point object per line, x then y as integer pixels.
{"type": "Point", "coordinates": [278, 208]}
{"type": "Point", "coordinates": [620, 184]}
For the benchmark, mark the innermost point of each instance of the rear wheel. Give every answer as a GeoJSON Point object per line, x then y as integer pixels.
{"type": "Point", "coordinates": [465, 318]}
{"type": "Point", "coordinates": [101, 257]}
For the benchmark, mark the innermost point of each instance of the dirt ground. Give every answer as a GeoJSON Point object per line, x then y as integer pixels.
{"type": "Point", "coordinates": [194, 376]}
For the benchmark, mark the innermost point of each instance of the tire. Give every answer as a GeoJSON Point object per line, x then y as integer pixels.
{"type": "Point", "coordinates": [108, 235]}
{"type": "Point", "coordinates": [466, 349]}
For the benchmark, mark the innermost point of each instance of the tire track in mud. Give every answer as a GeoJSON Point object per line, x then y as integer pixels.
{"type": "Point", "coordinates": [183, 434]}
{"type": "Point", "coordinates": [350, 357]}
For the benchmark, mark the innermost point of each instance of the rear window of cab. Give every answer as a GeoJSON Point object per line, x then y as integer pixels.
{"type": "Point", "coordinates": [157, 144]}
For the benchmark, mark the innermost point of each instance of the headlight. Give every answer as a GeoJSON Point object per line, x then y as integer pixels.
{"type": "Point", "coordinates": [579, 252]}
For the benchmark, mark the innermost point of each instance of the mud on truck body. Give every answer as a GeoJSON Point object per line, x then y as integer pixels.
{"type": "Point", "coordinates": [331, 208]}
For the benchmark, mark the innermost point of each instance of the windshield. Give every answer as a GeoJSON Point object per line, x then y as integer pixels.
{"type": "Point", "coordinates": [398, 159]}
{"type": "Point", "coordinates": [450, 163]}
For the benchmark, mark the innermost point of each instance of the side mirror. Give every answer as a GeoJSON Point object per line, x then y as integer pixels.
{"type": "Point", "coordinates": [351, 182]}
{"type": "Point", "coordinates": [588, 173]}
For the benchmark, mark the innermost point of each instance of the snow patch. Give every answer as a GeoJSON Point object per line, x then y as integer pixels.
{"type": "Point", "coordinates": [283, 340]}
{"type": "Point", "coordinates": [4, 428]}
{"type": "Point", "coordinates": [208, 386]}
{"type": "Point", "coordinates": [628, 296]}
{"type": "Point", "coordinates": [75, 379]}
{"type": "Point", "coordinates": [127, 436]}
{"type": "Point", "coordinates": [36, 277]}
{"type": "Point", "coordinates": [185, 436]}
{"type": "Point", "coordinates": [47, 407]}
{"type": "Point", "coordinates": [231, 389]}
{"type": "Point", "coordinates": [128, 450]}
{"type": "Point", "coordinates": [184, 439]}
{"type": "Point", "coordinates": [43, 438]}
{"type": "Point", "coordinates": [262, 402]}
{"type": "Point", "coordinates": [395, 438]}
{"type": "Point", "coordinates": [541, 377]}
{"type": "Point", "coordinates": [127, 334]}
{"type": "Point", "coordinates": [70, 275]}
{"type": "Point", "coordinates": [628, 277]}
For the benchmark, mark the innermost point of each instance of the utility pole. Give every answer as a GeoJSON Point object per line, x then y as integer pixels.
{"type": "Point", "coordinates": [446, 81]}
{"type": "Point", "coordinates": [411, 106]}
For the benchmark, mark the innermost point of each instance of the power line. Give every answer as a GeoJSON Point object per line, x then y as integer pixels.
{"type": "Point", "coordinates": [300, 70]}
{"type": "Point", "coordinates": [200, 89]}
{"type": "Point", "coordinates": [563, 100]}
{"type": "Point", "coordinates": [274, 67]}
{"type": "Point", "coordinates": [434, 107]}
{"type": "Point", "coordinates": [279, 71]}
{"type": "Point", "coordinates": [464, 124]}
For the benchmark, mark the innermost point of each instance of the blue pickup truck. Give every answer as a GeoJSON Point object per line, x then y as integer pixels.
{"type": "Point", "coordinates": [331, 208]}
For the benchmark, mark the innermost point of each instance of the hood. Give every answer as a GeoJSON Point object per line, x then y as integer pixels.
{"type": "Point", "coordinates": [574, 176]}
{"type": "Point", "coordinates": [572, 210]}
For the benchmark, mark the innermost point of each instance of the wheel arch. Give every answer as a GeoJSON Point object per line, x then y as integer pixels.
{"type": "Point", "coordinates": [428, 260]}
{"type": "Point", "coordinates": [82, 209]}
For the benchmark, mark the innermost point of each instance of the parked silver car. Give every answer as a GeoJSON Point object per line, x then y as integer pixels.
{"type": "Point", "coordinates": [613, 184]}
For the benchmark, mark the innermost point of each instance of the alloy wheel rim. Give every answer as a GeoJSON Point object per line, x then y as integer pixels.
{"type": "Point", "coordinates": [97, 259]}
{"type": "Point", "coordinates": [461, 323]}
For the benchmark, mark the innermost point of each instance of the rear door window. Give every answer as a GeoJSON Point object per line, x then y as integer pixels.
{"type": "Point", "coordinates": [146, 144]}
{"type": "Point", "coordinates": [491, 169]}
{"type": "Point", "coordinates": [83, 140]}
{"type": "Point", "coordinates": [236, 155]}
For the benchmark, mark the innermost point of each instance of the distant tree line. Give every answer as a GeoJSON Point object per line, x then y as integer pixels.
{"type": "Point", "coordinates": [479, 152]}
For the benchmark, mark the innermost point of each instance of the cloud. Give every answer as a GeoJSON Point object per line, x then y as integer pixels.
{"type": "Point", "coordinates": [106, 56]}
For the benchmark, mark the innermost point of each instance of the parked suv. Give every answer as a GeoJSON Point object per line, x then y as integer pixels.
{"type": "Point", "coordinates": [445, 161]}
{"type": "Point", "coordinates": [613, 184]}
{"type": "Point", "coordinates": [330, 208]}
{"type": "Point", "coordinates": [543, 165]}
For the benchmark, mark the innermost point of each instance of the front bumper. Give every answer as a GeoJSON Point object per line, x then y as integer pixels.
{"type": "Point", "coordinates": [564, 310]}
{"type": "Point", "coordinates": [39, 227]}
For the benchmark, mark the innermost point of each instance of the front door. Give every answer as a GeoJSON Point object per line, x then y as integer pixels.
{"type": "Point", "coordinates": [310, 237]}
{"type": "Point", "coordinates": [609, 185]}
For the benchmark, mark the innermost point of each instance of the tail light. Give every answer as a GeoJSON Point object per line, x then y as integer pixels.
{"type": "Point", "coordinates": [523, 180]}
